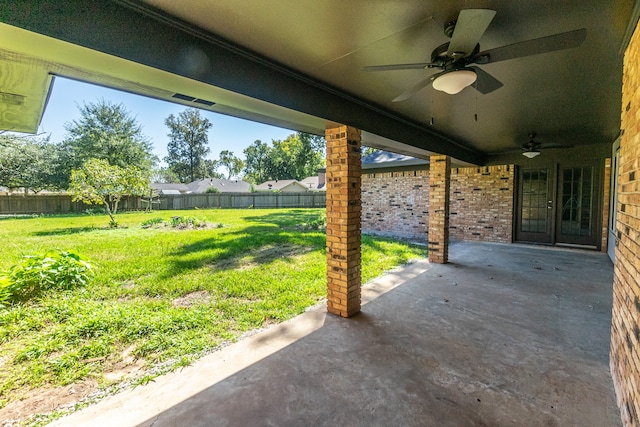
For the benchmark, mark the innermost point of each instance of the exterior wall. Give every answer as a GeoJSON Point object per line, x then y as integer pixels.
{"type": "Point", "coordinates": [625, 330]}
{"type": "Point", "coordinates": [481, 203]}
{"type": "Point", "coordinates": [396, 203]}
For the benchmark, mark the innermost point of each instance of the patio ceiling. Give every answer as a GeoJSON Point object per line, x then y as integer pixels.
{"type": "Point", "coordinates": [298, 64]}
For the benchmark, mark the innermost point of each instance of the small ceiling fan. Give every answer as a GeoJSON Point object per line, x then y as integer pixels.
{"type": "Point", "coordinates": [455, 57]}
{"type": "Point", "coordinates": [531, 148]}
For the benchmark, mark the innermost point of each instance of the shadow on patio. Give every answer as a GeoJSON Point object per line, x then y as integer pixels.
{"type": "Point", "coordinates": [503, 335]}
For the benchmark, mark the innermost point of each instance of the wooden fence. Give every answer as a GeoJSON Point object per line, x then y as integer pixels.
{"type": "Point", "coordinates": [60, 203]}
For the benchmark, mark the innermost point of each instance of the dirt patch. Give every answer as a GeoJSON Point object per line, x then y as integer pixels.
{"type": "Point", "coordinates": [46, 399]}
{"type": "Point", "coordinates": [199, 297]}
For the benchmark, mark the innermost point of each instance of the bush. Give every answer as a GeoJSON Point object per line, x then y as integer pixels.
{"type": "Point", "coordinates": [186, 222]}
{"type": "Point", "coordinates": [37, 273]}
{"type": "Point", "coordinates": [95, 211]}
{"type": "Point", "coordinates": [151, 222]}
{"type": "Point", "coordinates": [212, 190]}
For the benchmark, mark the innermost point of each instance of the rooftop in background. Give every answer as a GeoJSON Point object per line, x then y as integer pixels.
{"type": "Point", "coordinates": [281, 185]}
{"type": "Point", "coordinates": [223, 185]}
{"type": "Point", "coordinates": [316, 183]}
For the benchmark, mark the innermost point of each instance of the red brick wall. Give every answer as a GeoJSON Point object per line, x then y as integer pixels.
{"type": "Point", "coordinates": [397, 203]}
{"type": "Point", "coordinates": [482, 204]}
{"type": "Point", "coordinates": [625, 330]}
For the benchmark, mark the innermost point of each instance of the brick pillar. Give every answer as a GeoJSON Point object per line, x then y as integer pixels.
{"type": "Point", "coordinates": [439, 177]}
{"type": "Point", "coordinates": [343, 220]}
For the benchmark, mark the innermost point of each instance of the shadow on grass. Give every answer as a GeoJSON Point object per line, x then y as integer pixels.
{"type": "Point", "coordinates": [270, 237]}
{"type": "Point", "coordinates": [66, 231]}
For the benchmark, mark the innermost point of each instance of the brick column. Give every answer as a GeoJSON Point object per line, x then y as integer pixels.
{"type": "Point", "coordinates": [439, 177]}
{"type": "Point", "coordinates": [343, 220]}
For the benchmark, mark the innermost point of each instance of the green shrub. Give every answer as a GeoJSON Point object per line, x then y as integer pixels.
{"type": "Point", "coordinates": [37, 273]}
{"type": "Point", "coordinates": [186, 222]}
{"type": "Point", "coordinates": [212, 190]}
{"type": "Point", "coordinates": [95, 211]}
{"type": "Point", "coordinates": [151, 222]}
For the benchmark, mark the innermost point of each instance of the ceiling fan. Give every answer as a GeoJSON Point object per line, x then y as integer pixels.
{"type": "Point", "coordinates": [531, 148]}
{"type": "Point", "coordinates": [455, 57]}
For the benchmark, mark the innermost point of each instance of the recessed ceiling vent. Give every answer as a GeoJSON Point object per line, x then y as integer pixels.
{"type": "Point", "coordinates": [188, 98]}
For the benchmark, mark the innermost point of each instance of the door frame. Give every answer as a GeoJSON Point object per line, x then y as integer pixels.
{"type": "Point", "coordinates": [546, 238]}
{"type": "Point", "coordinates": [554, 169]}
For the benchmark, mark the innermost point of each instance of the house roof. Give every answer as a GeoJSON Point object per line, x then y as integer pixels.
{"type": "Point", "coordinates": [386, 159]}
{"type": "Point", "coordinates": [312, 183]}
{"type": "Point", "coordinates": [223, 185]}
{"type": "Point", "coordinates": [279, 185]}
{"type": "Point", "coordinates": [180, 188]}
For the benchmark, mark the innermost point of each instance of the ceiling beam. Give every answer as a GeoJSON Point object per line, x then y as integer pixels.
{"type": "Point", "coordinates": [137, 33]}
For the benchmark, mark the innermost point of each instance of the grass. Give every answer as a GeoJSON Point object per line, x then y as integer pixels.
{"type": "Point", "coordinates": [161, 297]}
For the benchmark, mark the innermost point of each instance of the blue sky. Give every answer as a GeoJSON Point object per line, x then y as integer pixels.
{"type": "Point", "coordinates": [227, 133]}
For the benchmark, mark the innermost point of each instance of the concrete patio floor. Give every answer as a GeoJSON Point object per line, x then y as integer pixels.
{"type": "Point", "coordinates": [503, 335]}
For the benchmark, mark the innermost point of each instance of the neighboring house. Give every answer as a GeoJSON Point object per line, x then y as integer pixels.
{"type": "Point", "coordinates": [316, 183]}
{"type": "Point", "coordinates": [222, 185]}
{"type": "Point", "coordinates": [283, 186]}
{"type": "Point", "coordinates": [167, 189]}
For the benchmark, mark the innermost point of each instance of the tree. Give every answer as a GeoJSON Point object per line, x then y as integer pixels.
{"type": "Point", "coordinates": [108, 131]}
{"type": "Point", "coordinates": [368, 150]}
{"type": "Point", "coordinates": [98, 182]}
{"type": "Point", "coordinates": [31, 163]}
{"type": "Point", "coordinates": [188, 145]}
{"type": "Point", "coordinates": [300, 155]}
{"type": "Point", "coordinates": [211, 169]}
{"type": "Point", "coordinates": [233, 164]}
{"type": "Point", "coordinates": [258, 163]}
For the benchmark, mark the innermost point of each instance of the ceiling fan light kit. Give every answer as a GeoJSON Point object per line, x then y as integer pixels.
{"type": "Point", "coordinates": [531, 154]}
{"type": "Point", "coordinates": [456, 58]}
{"type": "Point", "coordinates": [454, 81]}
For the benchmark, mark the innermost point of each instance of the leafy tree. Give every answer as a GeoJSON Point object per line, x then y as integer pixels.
{"type": "Point", "coordinates": [258, 163]}
{"type": "Point", "coordinates": [300, 155]}
{"type": "Point", "coordinates": [210, 169]}
{"type": "Point", "coordinates": [368, 150]}
{"type": "Point", "coordinates": [188, 145]}
{"type": "Point", "coordinates": [98, 182]}
{"type": "Point", "coordinates": [163, 175]}
{"type": "Point", "coordinates": [31, 162]}
{"type": "Point", "coordinates": [233, 164]}
{"type": "Point", "coordinates": [108, 131]}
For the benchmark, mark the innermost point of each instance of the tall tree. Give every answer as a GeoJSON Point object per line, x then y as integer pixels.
{"type": "Point", "coordinates": [258, 164]}
{"type": "Point", "coordinates": [298, 156]}
{"type": "Point", "coordinates": [188, 145]}
{"type": "Point", "coordinates": [108, 131]}
{"type": "Point", "coordinates": [31, 163]}
{"type": "Point", "coordinates": [233, 164]}
{"type": "Point", "coordinates": [211, 169]}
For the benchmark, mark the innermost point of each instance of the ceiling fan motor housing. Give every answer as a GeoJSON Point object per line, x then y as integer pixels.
{"type": "Point", "coordinates": [441, 57]}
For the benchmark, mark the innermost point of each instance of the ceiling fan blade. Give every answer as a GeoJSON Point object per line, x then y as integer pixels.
{"type": "Point", "coordinates": [415, 89]}
{"type": "Point", "coordinates": [561, 41]}
{"type": "Point", "coordinates": [485, 82]}
{"type": "Point", "coordinates": [418, 66]}
{"type": "Point", "coordinates": [471, 25]}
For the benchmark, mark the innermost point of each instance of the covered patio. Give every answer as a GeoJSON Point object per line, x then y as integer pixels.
{"type": "Point", "coordinates": [501, 335]}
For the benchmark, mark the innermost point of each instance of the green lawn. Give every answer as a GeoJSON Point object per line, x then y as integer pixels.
{"type": "Point", "coordinates": [161, 297]}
